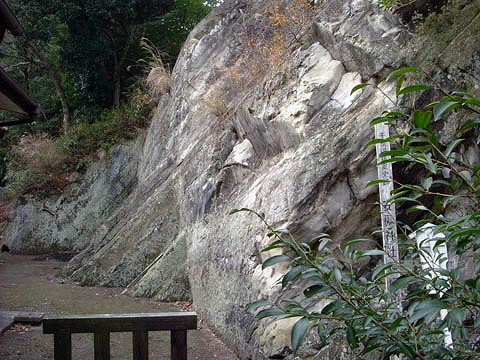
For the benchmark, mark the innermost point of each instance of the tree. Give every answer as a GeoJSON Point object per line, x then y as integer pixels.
{"type": "Point", "coordinates": [45, 33]}
{"type": "Point", "coordinates": [87, 48]}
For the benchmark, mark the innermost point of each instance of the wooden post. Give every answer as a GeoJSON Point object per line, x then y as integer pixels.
{"type": "Point", "coordinates": [140, 345]}
{"type": "Point", "coordinates": [62, 345]}
{"type": "Point", "coordinates": [389, 221]}
{"type": "Point", "coordinates": [102, 345]}
{"type": "Point", "coordinates": [178, 345]}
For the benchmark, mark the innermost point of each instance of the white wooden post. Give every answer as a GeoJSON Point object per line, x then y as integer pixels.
{"type": "Point", "coordinates": [387, 210]}
{"type": "Point", "coordinates": [389, 222]}
{"type": "Point", "coordinates": [433, 257]}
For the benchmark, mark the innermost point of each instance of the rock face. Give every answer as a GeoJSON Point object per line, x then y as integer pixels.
{"type": "Point", "coordinates": [69, 222]}
{"type": "Point", "coordinates": [288, 144]}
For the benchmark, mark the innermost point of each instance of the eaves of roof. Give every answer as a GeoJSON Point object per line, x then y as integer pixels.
{"type": "Point", "coordinates": [12, 97]}
{"type": "Point", "coordinates": [8, 21]}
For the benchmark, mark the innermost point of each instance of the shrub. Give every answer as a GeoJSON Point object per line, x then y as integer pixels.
{"type": "Point", "coordinates": [113, 125]}
{"type": "Point", "coordinates": [37, 166]}
{"type": "Point", "coordinates": [423, 304]}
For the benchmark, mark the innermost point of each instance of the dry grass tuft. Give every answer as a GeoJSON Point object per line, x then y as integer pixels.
{"type": "Point", "coordinates": [158, 77]}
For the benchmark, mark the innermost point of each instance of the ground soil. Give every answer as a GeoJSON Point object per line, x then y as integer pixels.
{"type": "Point", "coordinates": [31, 284]}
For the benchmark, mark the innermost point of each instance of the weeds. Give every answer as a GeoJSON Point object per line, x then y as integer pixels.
{"type": "Point", "coordinates": [268, 41]}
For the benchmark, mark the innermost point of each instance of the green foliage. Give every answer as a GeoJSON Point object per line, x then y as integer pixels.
{"type": "Point", "coordinates": [113, 125]}
{"type": "Point", "coordinates": [170, 31]}
{"type": "Point", "coordinates": [410, 319]}
{"type": "Point", "coordinates": [40, 165]}
{"type": "Point", "coordinates": [92, 48]}
{"type": "Point", "coordinates": [37, 165]}
{"type": "Point", "coordinates": [81, 59]}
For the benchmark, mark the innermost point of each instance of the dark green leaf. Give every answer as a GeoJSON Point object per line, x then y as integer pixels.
{"type": "Point", "coordinates": [381, 270]}
{"type": "Point", "coordinates": [330, 308]}
{"type": "Point", "coordinates": [356, 242]}
{"type": "Point", "coordinates": [456, 316]}
{"type": "Point", "coordinates": [377, 141]}
{"type": "Point", "coordinates": [442, 107]}
{"type": "Point", "coordinates": [275, 245]}
{"type": "Point", "coordinates": [414, 88]}
{"type": "Point", "coordinates": [359, 87]}
{"type": "Point", "coordinates": [299, 331]}
{"type": "Point", "coordinates": [292, 275]}
{"type": "Point", "coordinates": [464, 232]}
{"type": "Point", "coordinates": [269, 312]}
{"type": "Point", "coordinates": [374, 252]}
{"type": "Point", "coordinates": [397, 73]}
{"type": "Point", "coordinates": [257, 304]}
{"type": "Point", "coordinates": [427, 310]}
{"type": "Point", "coordinates": [274, 260]}
{"type": "Point", "coordinates": [421, 119]}
{"type": "Point", "coordinates": [322, 244]}
{"type": "Point", "coordinates": [315, 289]}
{"type": "Point", "coordinates": [377, 182]}
{"type": "Point", "coordinates": [338, 274]}
{"type": "Point", "coordinates": [470, 124]}
{"type": "Point", "coordinates": [407, 350]}
{"type": "Point", "coordinates": [452, 146]}
{"type": "Point", "coordinates": [401, 282]}
{"type": "Point", "coordinates": [352, 337]}
{"type": "Point", "coordinates": [234, 211]}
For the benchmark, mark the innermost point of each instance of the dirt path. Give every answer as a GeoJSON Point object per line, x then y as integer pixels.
{"type": "Point", "coordinates": [30, 285]}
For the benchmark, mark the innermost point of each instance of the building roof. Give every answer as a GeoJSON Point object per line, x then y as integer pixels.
{"type": "Point", "coordinates": [12, 97]}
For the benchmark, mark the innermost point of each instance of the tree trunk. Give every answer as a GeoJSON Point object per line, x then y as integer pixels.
{"type": "Point", "coordinates": [119, 56]}
{"type": "Point", "coordinates": [67, 111]}
{"type": "Point", "coordinates": [117, 83]}
{"type": "Point", "coordinates": [55, 76]}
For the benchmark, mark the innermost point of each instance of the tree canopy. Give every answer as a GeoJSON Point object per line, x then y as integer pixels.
{"type": "Point", "coordinates": [85, 51]}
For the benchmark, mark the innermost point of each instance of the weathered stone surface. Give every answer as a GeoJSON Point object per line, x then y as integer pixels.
{"type": "Point", "coordinates": [291, 148]}
{"type": "Point", "coordinates": [68, 223]}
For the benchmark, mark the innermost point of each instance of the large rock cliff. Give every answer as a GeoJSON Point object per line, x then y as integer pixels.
{"type": "Point", "coordinates": [287, 142]}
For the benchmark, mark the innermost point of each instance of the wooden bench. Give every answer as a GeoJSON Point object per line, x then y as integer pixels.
{"type": "Point", "coordinates": [101, 325]}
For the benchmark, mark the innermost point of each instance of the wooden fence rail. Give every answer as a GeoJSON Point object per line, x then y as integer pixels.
{"type": "Point", "coordinates": [101, 325]}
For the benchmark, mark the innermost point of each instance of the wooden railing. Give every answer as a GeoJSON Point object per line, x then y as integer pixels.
{"type": "Point", "coordinates": [101, 325]}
